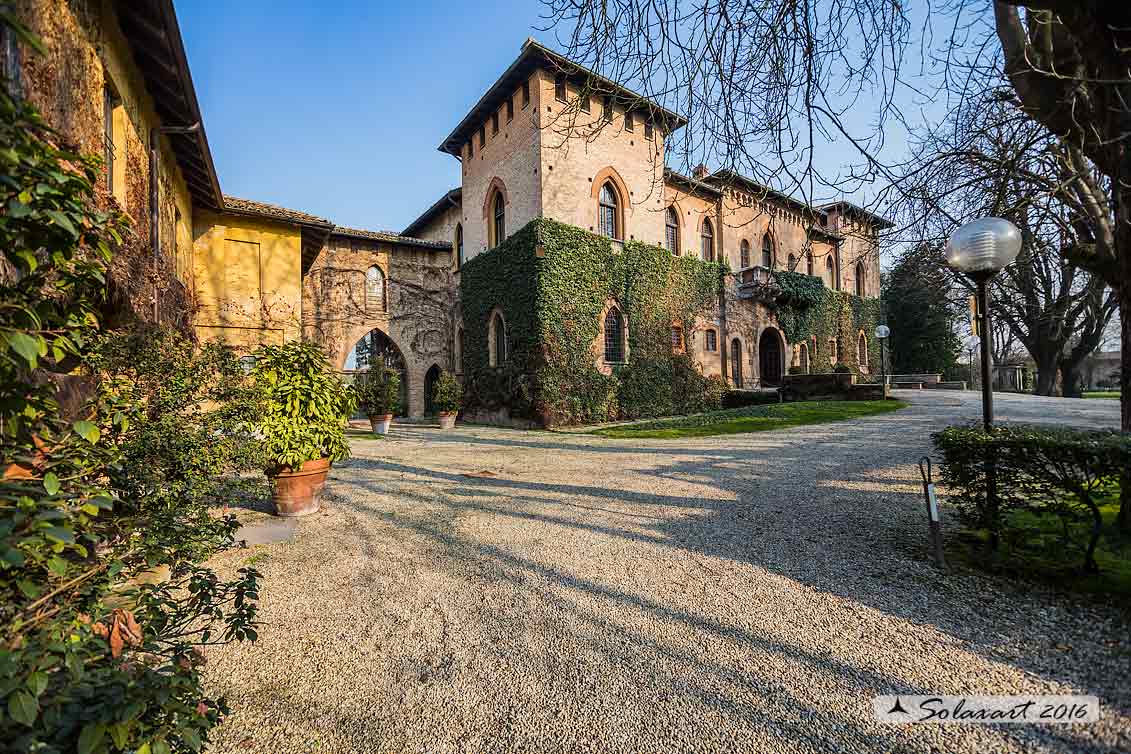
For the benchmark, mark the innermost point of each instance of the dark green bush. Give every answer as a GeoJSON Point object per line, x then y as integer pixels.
{"type": "Point", "coordinates": [449, 394]}
{"type": "Point", "coordinates": [743, 398]}
{"type": "Point", "coordinates": [798, 370]}
{"type": "Point", "coordinates": [842, 369]}
{"type": "Point", "coordinates": [1045, 471]}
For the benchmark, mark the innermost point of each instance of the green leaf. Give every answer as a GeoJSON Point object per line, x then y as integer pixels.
{"type": "Point", "coordinates": [87, 430]}
{"type": "Point", "coordinates": [59, 534]}
{"type": "Point", "coordinates": [160, 747]}
{"type": "Point", "coordinates": [61, 220]}
{"type": "Point", "coordinates": [25, 345]}
{"type": "Point", "coordinates": [51, 483]}
{"type": "Point", "coordinates": [29, 588]}
{"type": "Point", "coordinates": [120, 734]}
{"type": "Point", "coordinates": [37, 682]}
{"type": "Point", "coordinates": [23, 708]}
{"type": "Point", "coordinates": [91, 736]}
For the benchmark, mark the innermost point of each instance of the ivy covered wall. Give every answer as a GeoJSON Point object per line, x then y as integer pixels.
{"type": "Point", "coordinates": [807, 310]}
{"type": "Point", "coordinates": [552, 282]}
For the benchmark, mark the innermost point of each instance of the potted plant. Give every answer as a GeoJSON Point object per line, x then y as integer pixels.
{"type": "Point", "coordinates": [302, 426]}
{"type": "Point", "coordinates": [447, 399]}
{"type": "Point", "coordinates": [379, 396]}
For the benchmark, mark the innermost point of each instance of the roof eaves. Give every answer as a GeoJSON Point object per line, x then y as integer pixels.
{"type": "Point", "coordinates": [692, 183]}
{"type": "Point", "coordinates": [252, 208]}
{"type": "Point", "coordinates": [849, 208]}
{"type": "Point", "coordinates": [389, 237]}
{"type": "Point", "coordinates": [450, 199]}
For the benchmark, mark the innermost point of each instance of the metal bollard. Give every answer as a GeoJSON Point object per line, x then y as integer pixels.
{"type": "Point", "coordinates": [932, 511]}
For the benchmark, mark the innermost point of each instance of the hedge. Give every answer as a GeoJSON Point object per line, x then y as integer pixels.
{"type": "Point", "coordinates": [1046, 471]}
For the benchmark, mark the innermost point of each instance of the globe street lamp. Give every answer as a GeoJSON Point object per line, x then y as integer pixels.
{"type": "Point", "coordinates": [882, 333]}
{"type": "Point", "coordinates": [980, 250]}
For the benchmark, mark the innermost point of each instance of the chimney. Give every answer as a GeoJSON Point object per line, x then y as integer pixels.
{"type": "Point", "coordinates": [700, 172]}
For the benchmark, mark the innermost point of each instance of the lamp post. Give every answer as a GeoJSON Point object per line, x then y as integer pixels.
{"type": "Point", "coordinates": [882, 333]}
{"type": "Point", "coordinates": [980, 250]}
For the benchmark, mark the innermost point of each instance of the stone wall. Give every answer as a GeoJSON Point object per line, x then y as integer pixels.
{"type": "Point", "coordinates": [418, 312]}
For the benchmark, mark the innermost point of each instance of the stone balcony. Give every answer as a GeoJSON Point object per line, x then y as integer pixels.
{"type": "Point", "coordinates": [757, 284]}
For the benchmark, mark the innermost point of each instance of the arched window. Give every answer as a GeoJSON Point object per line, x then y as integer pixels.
{"type": "Point", "coordinates": [744, 254]}
{"type": "Point", "coordinates": [608, 213]}
{"type": "Point", "coordinates": [459, 246]}
{"type": "Point", "coordinates": [677, 338]}
{"type": "Point", "coordinates": [862, 351]}
{"type": "Point", "coordinates": [736, 362]}
{"type": "Point", "coordinates": [614, 336]}
{"type": "Point", "coordinates": [374, 288]}
{"type": "Point", "coordinates": [712, 339]}
{"type": "Point", "coordinates": [860, 279]}
{"type": "Point", "coordinates": [708, 239]}
{"type": "Point", "coordinates": [497, 340]}
{"type": "Point", "coordinates": [671, 237]}
{"type": "Point", "coordinates": [830, 271]}
{"type": "Point", "coordinates": [499, 219]}
{"type": "Point", "coordinates": [767, 252]}
{"type": "Point", "coordinates": [809, 262]}
{"type": "Point", "coordinates": [803, 358]}
{"type": "Point", "coordinates": [792, 262]}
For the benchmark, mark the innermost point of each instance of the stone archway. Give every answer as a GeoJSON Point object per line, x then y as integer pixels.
{"type": "Point", "coordinates": [770, 362]}
{"type": "Point", "coordinates": [374, 349]}
{"type": "Point", "coordinates": [431, 377]}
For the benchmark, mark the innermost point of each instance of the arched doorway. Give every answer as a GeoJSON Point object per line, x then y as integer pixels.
{"type": "Point", "coordinates": [431, 377]}
{"type": "Point", "coordinates": [376, 348]}
{"type": "Point", "coordinates": [770, 357]}
{"type": "Point", "coordinates": [736, 362]}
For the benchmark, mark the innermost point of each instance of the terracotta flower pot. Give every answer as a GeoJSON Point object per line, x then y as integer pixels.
{"type": "Point", "coordinates": [298, 493]}
{"type": "Point", "coordinates": [380, 423]}
{"type": "Point", "coordinates": [448, 419]}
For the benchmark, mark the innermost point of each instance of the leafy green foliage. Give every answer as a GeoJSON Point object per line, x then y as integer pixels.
{"type": "Point", "coordinates": [553, 305]}
{"type": "Point", "coordinates": [448, 395]}
{"type": "Point", "coordinates": [808, 311]}
{"type": "Point", "coordinates": [378, 391]}
{"type": "Point", "coordinates": [1044, 472]}
{"type": "Point", "coordinates": [751, 419]}
{"type": "Point", "coordinates": [306, 405]}
{"type": "Point", "coordinates": [922, 317]}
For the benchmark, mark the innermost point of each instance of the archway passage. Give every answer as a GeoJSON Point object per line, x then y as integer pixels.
{"type": "Point", "coordinates": [431, 377]}
{"type": "Point", "coordinates": [375, 349]}
{"type": "Point", "coordinates": [770, 357]}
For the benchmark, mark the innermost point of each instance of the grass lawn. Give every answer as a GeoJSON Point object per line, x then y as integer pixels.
{"type": "Point", "coordinates": [1111, 395]}
{"type": "Point", "coordinates": [750, 419]}
{"type": "Point", "coordinates": [1038, 549]}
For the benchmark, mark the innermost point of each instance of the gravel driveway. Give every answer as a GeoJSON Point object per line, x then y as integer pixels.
{"type": "Point", "coordinates": [495, 590]}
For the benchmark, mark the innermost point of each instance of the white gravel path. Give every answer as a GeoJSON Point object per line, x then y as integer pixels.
{"type": "Point", "coordinates": [493, 590]}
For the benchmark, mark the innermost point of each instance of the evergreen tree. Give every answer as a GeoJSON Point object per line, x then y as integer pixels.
{"type": "Point", "coordinates": [921, 312]}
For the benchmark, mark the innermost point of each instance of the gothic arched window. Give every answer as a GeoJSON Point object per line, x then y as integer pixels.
{"type": "Point", "coordinates": [499, 218]}
{"type": "Point", "coordinates": [744, 254]}
{"type": "Point", "coordinates": [671, 237]}
{"type": "Point", "coordinates": [767, 252]}
{"type": "Point", "coordinates": [860, 287]}
{"type": "Point", "coordinates": [374, 288]}
{"type": "Point", "coordinates": [707, 236]}
{"type": "Point", "coordinates": [608, 212]}
{"type": "Point", "coordinates": [614, 336]}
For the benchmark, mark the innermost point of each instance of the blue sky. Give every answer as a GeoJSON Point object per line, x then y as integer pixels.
{"type": "Point", "coordinates": [337, 108]}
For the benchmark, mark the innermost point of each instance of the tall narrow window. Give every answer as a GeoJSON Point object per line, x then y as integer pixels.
{"type": "Point", "coordinates": [736, 362]}
{"type": "Point", "coordinates": [860, 279]}
{"type": "Point", "coordinates": [830, 271]}
{"type": "Point", "coordinates": [671, 237]}
{"type": "Point", "coordinates": [494, 122]}
{"type": "Point", "coordinates": [585, 102]}
{"type": "Point", "coordinates": [792, 262]}
{"type": "Point", "coordinates": [809, 262]}
{"type": "Point", "coordinates": [614, 336]}
{"type": "Point", "coordinates": [707, 237]}
{"type": "Point", "coordinates": [862, 351]}
{"type": "Point", "coordinates": [499, 214]}
{"type": "Point", "coordinates": [767, 252]}
{"type": "Point", "coordinates": [459, 246]}
{"type": "Point", "coordinates": [560, 88]}
{"type": "Point", "coordinates": [648, 129]}
{"type": "Point", "coordinates": [607, 211]}
{"type": "Point", "coordinates": [109, 103]}
{"type": "Point", "coordinates": [607, 109]}
{"type": "Point", "coordinates": [482, 136]}
{"type": "Point", "coordinates": [525, 93]}
{"type": "Point", "coordinates": [712, 339]}
{"type": "Point", "coordinates": [803, 358]}
{"type": "Point", "coordinates": [375, 288]}
{"type": "Point", "coordinates": [629, 123]}
{"type": "Point", "coordinates": [510, 108]}
{"type": "Point", "coordinates": [677, 338]}
{"type": "Point", "coordinates": [744, 254]}
{"type": "Point", "coordinates": [470, 148]}
{"type": "Point", "coordinates": [499, 340]}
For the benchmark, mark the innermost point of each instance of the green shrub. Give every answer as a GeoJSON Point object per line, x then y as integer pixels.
{"type": "Point", "coordinates": [1043, 471]}
{"type": "Point", "coordinates": [798, 370]}
{"type": "Point", "coordinates": [743, 398]}
{"type": "Point", "coordinates": [99, 495]}
{"type": "Point", "coordinates": [378, 391]}
{"type": "Point", "coordinates": [449, 394]}
{"type": "Point", "coordinates": [842, 369]}
{"type": "Point", "coordinates": [305, 405]}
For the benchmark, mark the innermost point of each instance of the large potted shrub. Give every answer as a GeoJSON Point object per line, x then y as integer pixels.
{"type": "Point", "coordinates": [305, 410]}
{"type": "Point", "coordinates": [447, 399]}
{"type": "Point", "coordinates": [379, 396]}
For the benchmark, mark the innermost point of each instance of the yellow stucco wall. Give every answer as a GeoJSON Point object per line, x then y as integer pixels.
{"type": "Point", "coordinates": [248, 275]}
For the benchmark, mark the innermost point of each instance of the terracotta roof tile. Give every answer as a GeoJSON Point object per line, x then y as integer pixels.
{"type": "Point", "coordinates": [271, 211]}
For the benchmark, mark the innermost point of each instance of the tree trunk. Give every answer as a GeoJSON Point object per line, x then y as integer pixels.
{"type": "Point", "coordinates": [1070, 380]}
{"type": "Point", "coordinates": [1123, 260]}
{"type": "Point", "coordinates": [1046, 374]}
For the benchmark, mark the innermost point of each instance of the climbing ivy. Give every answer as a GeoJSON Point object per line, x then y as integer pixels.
{"type": "Point", "coordinates": [806, 309]}
{"type": "Point", "coordinates": [552, 282]}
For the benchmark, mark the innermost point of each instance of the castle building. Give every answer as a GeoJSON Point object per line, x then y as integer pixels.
{"type": "Point", "coordinates": [549, 141]}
